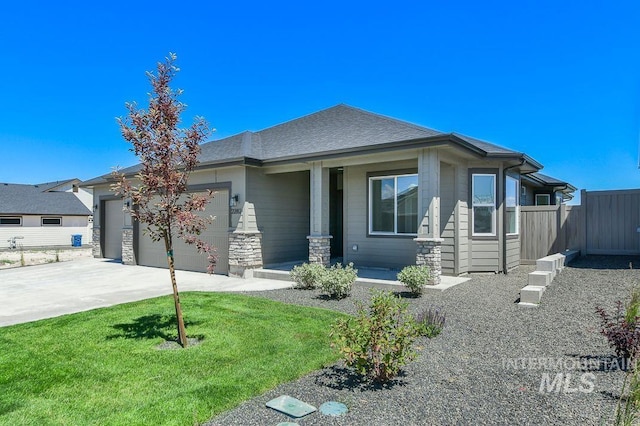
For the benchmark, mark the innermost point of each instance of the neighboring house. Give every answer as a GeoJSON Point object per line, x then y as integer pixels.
{"type": "Point", "coordinates": [542, 190]}
{"type": "Point", "coordinates": [46, 214]}
{"type": "Point", "coordinates": [346, 183]}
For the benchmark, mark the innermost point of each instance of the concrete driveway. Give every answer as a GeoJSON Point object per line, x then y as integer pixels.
{"type": "Point", "coordinates": [36, 292]}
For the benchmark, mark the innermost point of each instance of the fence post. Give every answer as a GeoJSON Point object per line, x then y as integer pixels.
{"type": "Point", "coordinates": [562, 232]}
{"type": "Point", "coordinates": [583, 224]}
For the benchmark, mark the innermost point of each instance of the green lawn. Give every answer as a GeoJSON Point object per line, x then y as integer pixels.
{"type": "Point", "coordinates": [102, 367]}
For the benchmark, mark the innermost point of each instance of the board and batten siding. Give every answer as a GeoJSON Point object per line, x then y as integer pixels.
{"type": "Point", "coordinates": [448, 218]}
{"type": "Point", "coordinates": [375, 251]}
{"type": "Point", "coordinates": [281, 203]}
{"type": "Point", "coordinates": [36, 235]}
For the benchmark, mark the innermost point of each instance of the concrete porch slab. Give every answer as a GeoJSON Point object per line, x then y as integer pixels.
{"type": "Point", "coordinates": [371, 277]}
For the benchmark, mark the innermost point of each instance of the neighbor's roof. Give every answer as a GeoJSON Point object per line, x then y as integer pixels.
{"type": "Point", "coordinates": [546, 180]}
{"type": "Point", "coordinates": [40, 199]}
{"type": "Point", "coordinates": [336, 130]}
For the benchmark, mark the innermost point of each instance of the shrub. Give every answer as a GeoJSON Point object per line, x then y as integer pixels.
{"type": "Point", "coordinates": [415, 277]}
{"type": "Point", "coordinates": [623, 336]}
{"type": "Point", "coordinates": [430, 322]}
{"type": "Point", "coordinates": [377, 343]}
{"type": "Point", "coordinates": [337, 281]}
{"type": "Point", "coordinates": [307, 275]}
{"type": "Point", "coordinates": [633, 307]}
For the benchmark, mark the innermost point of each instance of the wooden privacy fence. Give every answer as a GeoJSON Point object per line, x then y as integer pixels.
{"type": "Point", "coordinates": [606, 222]}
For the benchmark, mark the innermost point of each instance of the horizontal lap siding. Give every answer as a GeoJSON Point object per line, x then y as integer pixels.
{"type": "Point", "coordinates": [513, 253]}
{"type": "Point", "coordinates": [35, 235]}
{"type": "Point", "coordinates": [485, 255]}
{"type": "Point", "coordinates": [385, 252]}
{"type": "Point", "coordinates": [282, 211]}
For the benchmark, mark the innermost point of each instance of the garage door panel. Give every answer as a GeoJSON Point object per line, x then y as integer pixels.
{"type": "Point", "coordinates": [113, 221]}
{"type": "Point", "coordinates": [186, 256]}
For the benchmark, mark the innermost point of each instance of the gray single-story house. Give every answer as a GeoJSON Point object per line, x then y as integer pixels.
{"type": "Point", "coordinates": [45, 214]}
{"type": "Point", "coordinates": [542, 190]}
{"type": "Point", "coordinates": [344, 183]}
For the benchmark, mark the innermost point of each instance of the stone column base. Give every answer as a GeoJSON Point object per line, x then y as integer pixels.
{"type": "Point", "coordinates": [320, 249]}
{"type": "Point", "coordinates": [245, 253]}
{"type": "Point", "coordinates": [127, 247]}
{"type": "Point", "coordinates": [429, 253]}
{"type": "Point", "coordinates": [95, 240]}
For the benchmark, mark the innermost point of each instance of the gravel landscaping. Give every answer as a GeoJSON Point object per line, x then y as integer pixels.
{"type": "Point", "coordinates": [488, 364]}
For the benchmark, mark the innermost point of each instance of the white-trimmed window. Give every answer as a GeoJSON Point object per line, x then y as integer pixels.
{"type": "Point", "coordinates": [543, 199]}
{"type": "Point", "coordinates": [393, 205]}
{"type": "Point", "coordinates": [512, 206]}
{"type": "Point", "coordinates": [10, 221]}
{"type": "Point", "coordinates": [51, 221]}
{"type": "Point", "coordinates": [483, 211]}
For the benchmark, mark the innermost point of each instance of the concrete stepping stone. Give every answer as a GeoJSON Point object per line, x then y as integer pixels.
{"type": "Point", "coordinates": [291, 406]}
{"type": "Point", "coordinates": [333, 408]}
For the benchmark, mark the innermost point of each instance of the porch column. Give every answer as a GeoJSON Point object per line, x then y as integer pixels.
{"type": "Point", "coordinates": [319, 238]}
{"type": "Point", "coordinates": [128, 257]}
{"type": "Point", "coordinates": [245, 244]}
{"type": "Point", "coordinates": [428, 242]}
{"type": "Point", "coordinates": [95, 239]}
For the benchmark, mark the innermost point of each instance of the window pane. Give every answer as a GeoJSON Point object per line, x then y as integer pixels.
{"type": "Point", "coordinates": [512, 192]}
{"type": "Point", "coordinates": [483, 220]}
{"type": "Point", "coordinates": [10, 221]}
{"type": "Point", "coordinates": [542, 200]}
{"type": "Point", "coordinates": [51, 221]}
{"type": "Point", "coordinates": [512, 218]}
{"type": "Point", "coordinates": [382, 205]}
{"type": "Point", "coordinates": [483, 189]}
{"type": "Point", "coordinates": [407, 204]}
{"type": "Point", "coordinates": [511, 205]}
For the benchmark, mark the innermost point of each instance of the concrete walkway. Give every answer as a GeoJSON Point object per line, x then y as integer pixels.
{"type": "Point", "coordinates": [36, 292]}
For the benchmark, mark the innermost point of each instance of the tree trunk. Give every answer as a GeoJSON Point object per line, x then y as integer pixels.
{"type": "Point", "coordinates": [182, 333]}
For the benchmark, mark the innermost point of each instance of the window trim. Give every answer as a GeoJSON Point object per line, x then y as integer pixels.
{"type": "Point", "coordinates": [395, 233]}
{"type": "Point", "coordinates": [43, 218]}
{"type": "Point", "coordinates": [517, 212]}
{"type": "Point", "coordinates": [494, 224]}
{"type": "Point", "coordinates": [11, 217]}
{"type": "Point", "coordinates": [543, 195]}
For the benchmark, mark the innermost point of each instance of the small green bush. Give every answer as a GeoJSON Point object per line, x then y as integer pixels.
{"type": "Point", "coordinates": [337, 280]}
{"type": "Point", "coordinates": [415, 277]}
{"type": "Point", "coordinates": [430, 322]}
{"type": "Point", "coordinates": [377, 343]}
{"type": "Point", "coordinates": [308, 275]}
{"type": "Point", "coordinates": [633, 307]}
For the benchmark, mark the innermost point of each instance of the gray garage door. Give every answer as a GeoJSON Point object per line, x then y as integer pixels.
{"type": "Point", "coordinates": [113, 222]}
{"type": "Point", "coordinates": [186, 256]}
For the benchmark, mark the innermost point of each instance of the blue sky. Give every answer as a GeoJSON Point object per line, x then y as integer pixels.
{"type": "Point", "coordinates": [558, 80]}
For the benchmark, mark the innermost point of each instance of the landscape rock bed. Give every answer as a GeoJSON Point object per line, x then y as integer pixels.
{"type": "Point", "coordinates": [488, 364]}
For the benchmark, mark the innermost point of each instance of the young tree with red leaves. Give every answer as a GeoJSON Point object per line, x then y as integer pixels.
{"type": "Point", "coordinates": [167, 154]}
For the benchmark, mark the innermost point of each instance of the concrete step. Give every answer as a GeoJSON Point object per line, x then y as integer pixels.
{"type": "Point", "coordinates": [272, 274]}
{"type": "Point", "coordinates": [540, 278]}
{"type": "Point", "coordinates": [531, 294]}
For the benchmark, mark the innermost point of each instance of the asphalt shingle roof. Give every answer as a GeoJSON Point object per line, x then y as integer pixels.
{"type": "Point", "coordinates": [36, 199]}
{"type": "Point", "coordinates": [338, 128]}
